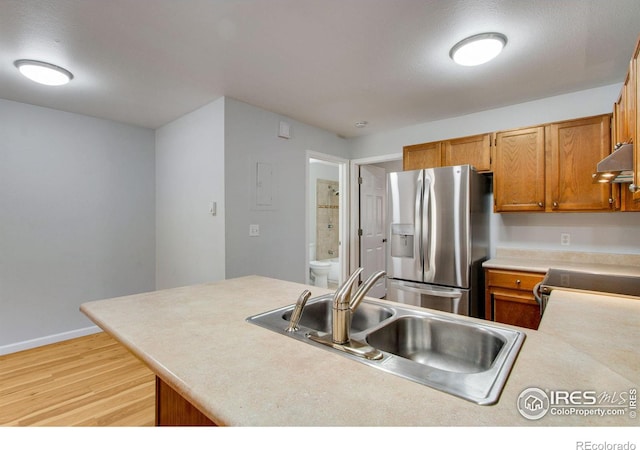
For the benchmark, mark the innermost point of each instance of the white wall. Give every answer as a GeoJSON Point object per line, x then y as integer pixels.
{"type": "Point", "coordinates": [593, 232]}
{"type": "Point", "coordinates": [251, 137]}
{"type": "Point", "coordinates": [76, 219]}
{"type": "Point", "coordinates": [190, 242]}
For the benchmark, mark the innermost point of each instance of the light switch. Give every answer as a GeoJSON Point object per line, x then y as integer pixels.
{"type": "Point", "coordinates": [213, 208]}
{"type": "Point", "coordinates": [254, 229]}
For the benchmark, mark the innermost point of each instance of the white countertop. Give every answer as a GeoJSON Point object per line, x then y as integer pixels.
{"type": "Point", "coordinates": [197, 340]}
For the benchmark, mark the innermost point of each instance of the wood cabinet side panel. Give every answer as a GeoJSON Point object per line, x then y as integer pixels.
{"type": "Point", "coordinates": [631, 201]}
{"type": "Point", "coordinates": [174, 410]}
{"type": "Point", "coordinates": [636, 135]}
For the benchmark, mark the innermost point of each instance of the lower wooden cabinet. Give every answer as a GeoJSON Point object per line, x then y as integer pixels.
{"type": "Point", "coordinates": [509, 297]}
{"type": "Point", "coordinates": [173, 410]}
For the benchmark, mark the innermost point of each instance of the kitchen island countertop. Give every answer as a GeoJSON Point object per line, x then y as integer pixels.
{"type": "Point", "coordinates": [196, 339]}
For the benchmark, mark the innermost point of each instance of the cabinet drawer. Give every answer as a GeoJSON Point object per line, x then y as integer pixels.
{"type": "Point", "coordinates": [525, 281]}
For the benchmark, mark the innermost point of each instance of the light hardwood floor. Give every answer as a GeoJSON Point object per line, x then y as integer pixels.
{"type": "Point", "coordinates": [88, 381]}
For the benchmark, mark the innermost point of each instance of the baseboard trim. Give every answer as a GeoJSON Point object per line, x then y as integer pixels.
{"type": "Point", "coordinates": [45, 340]}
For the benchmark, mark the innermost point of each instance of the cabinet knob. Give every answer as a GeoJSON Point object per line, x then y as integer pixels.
{"type": "Point", "coordinates": [517, 282]}
{"type": "Point", "coordinates": [634, 188]}
{"type": "Point", "coordinates": [555, 204]}
{"type": "Point", "coordinates": [540, 204]}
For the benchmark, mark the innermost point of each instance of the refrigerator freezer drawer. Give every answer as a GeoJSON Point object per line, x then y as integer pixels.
{"type": "Point", "coordinates": [429, 296]}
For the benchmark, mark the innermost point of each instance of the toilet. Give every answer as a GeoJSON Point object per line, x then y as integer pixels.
{"type": "Point", "coordinates": [320, 273]}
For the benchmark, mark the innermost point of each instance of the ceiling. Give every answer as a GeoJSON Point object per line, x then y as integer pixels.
{"type": "Point", "coordinates": [327, 63]}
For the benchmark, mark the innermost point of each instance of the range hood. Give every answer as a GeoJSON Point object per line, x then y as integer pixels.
{"type": "Point", "coordinates": [617, 167]}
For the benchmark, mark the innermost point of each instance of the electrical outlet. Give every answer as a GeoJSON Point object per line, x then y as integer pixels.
{"type": "Point", "coordinates": [254, 229]}
{"type": "Point", "coordinates": [565, 239]}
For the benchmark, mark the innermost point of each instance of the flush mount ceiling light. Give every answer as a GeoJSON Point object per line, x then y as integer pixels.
{"type": "Point", "coordinates": [361, 124]}
{"type": "Point", "coordinates": [43, 73]}
{"type": "Point", "coordinates": [478, 49]}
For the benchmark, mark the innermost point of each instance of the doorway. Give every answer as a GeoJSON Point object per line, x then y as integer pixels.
{"type": "Point", "coordinates": [368, 248]}
{"type": "Point", "coordinates": [327, 217]}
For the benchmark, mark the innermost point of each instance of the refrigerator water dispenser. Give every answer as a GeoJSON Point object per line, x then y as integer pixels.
{"type": "Point", "coordinates": [402, 240]}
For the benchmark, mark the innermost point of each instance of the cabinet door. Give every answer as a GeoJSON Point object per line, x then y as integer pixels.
{"type": "Point", "coordinates": [474, 150]}
{"type": "Point", "coordinates": [516, 309]}
{"type": "Point", "coordinates": [574, 148]}
{"type": "Point", "coordinates": [422, 156]}
{"type": "Point", "coordinates": [519, 173]}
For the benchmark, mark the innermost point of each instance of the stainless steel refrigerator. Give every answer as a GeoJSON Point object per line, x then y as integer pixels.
{"type": "Point", "coordinates": [438, 235]}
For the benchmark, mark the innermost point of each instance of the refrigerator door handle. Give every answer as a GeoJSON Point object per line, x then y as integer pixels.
{"type": "Point", "coordinates": [426, 229]}
{"type": "Point", "coordinates": [431, 292]}
{"type": "Point", "coordinates": [418, 244]}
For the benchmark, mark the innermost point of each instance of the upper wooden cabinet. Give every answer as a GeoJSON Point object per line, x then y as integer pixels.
{"type": "Point", "coordinates": [422, 156]}
{"type": "Point", "coordinates": [473, 150]}
{"type": "Point", "coordinates": [573, 149]}
{"type": "Point", "coordinates": [548, 168]}
{"type": "Point", "coordinates": [518, 181]}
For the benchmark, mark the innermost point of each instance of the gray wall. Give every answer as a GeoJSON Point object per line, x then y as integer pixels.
{"type": "Point", "coordinates": [251, 136]}
{"type": "Point", "coordinates": [77, 209]}
{"type": "Point", "coordinates": [190, 244]}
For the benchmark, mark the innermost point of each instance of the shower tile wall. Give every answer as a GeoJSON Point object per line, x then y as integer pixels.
{"type": "Point", "coordinates": [327, 213]}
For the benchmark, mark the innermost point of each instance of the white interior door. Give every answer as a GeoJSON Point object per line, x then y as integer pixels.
{"type": "Point", "coordinates": [372, 224]}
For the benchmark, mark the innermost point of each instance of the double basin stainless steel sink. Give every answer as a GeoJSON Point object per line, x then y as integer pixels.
{"type": "Point", "coordinates": [468, 359]}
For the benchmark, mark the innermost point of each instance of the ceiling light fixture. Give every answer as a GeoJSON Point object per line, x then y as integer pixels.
{"type": "Point", "coordinates": [43, 73]}
{"type": "Point", "coordinates": [478, 49]}
{"type": "Point", "coordinates": [361, 124]}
